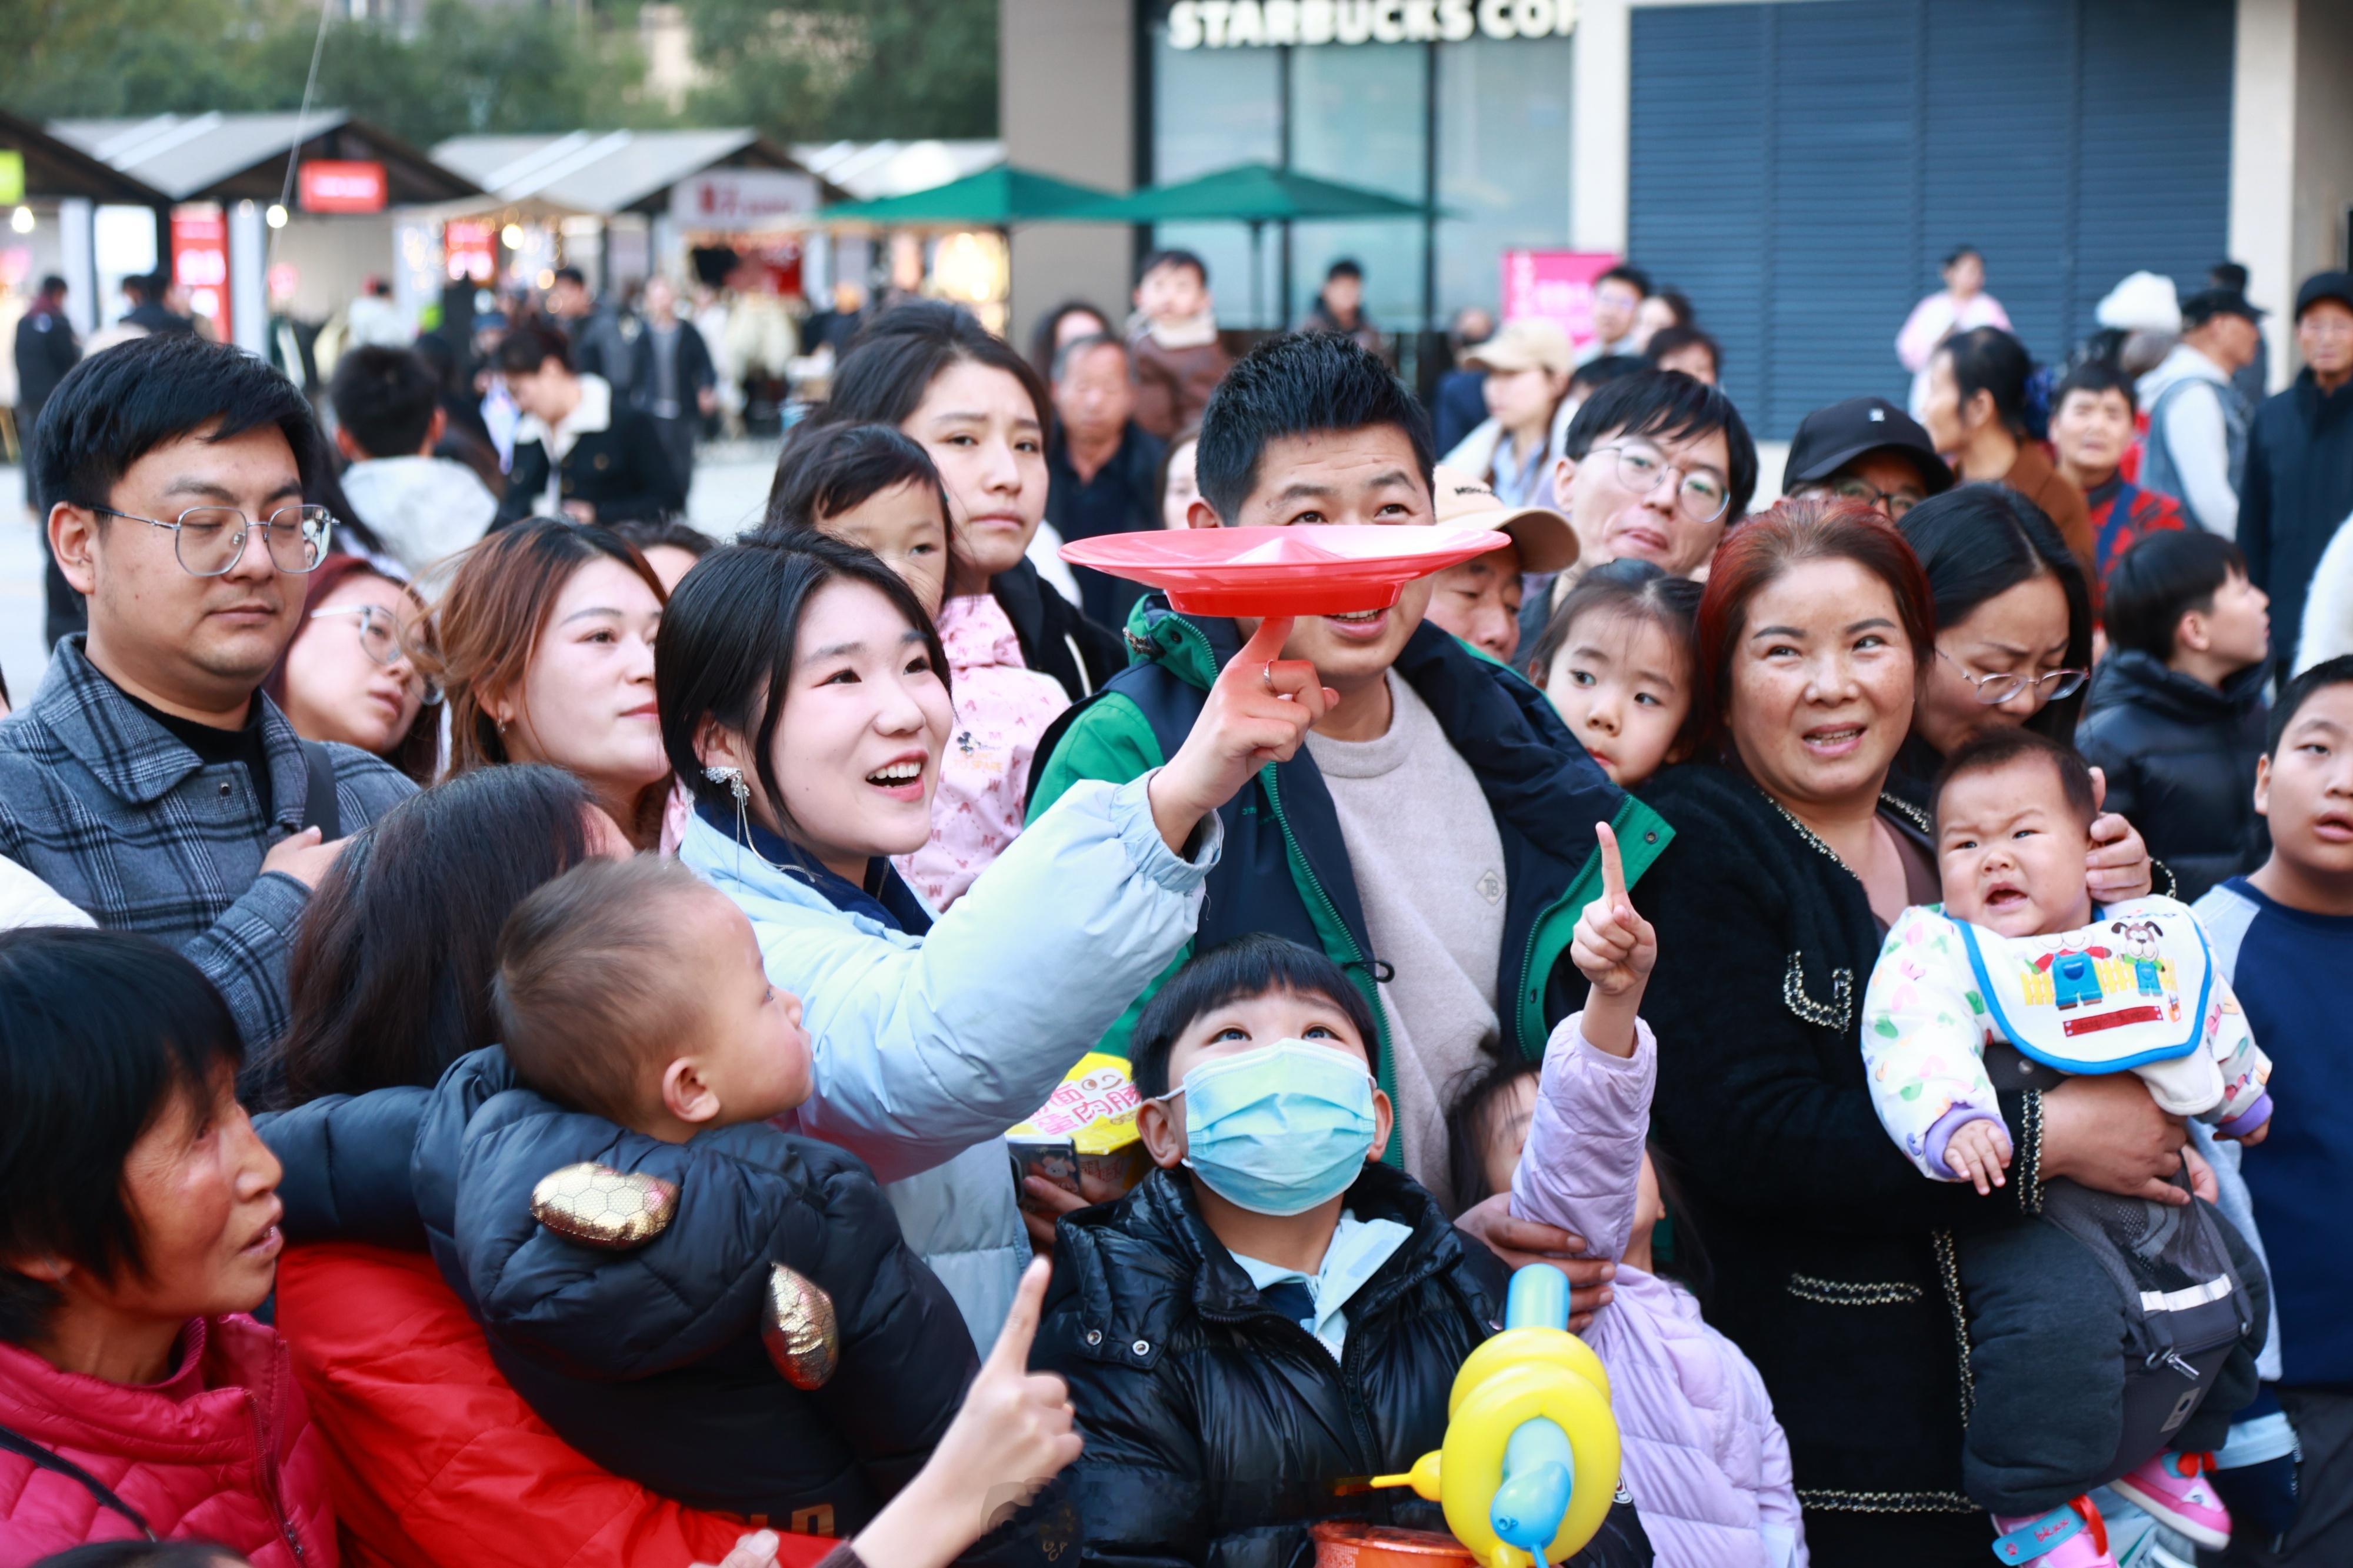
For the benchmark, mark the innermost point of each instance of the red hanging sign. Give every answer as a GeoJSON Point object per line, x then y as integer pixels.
{"type": "Point", "coordinates": [343, 185]}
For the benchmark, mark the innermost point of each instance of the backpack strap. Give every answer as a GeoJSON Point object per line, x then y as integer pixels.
{"type": "Point", "coordinates": [16, 1442]}
{"type": "Point", "coordinates": [319, 808]}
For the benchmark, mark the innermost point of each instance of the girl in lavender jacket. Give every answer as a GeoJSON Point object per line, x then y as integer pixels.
{"type": "Point", "coordinates": [1707, 1464]}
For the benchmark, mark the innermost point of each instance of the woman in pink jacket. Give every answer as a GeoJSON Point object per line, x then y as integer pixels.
{"type": "Point", "coordinates": [1707, 1464]}
{"type": "Point", "coordinates": [137, 1397]}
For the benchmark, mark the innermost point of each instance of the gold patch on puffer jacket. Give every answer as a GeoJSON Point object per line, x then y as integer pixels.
{"type": "Point", "coordinates": [597, 1205]}
{"type": "Point", "coordinates": [800, 1332]}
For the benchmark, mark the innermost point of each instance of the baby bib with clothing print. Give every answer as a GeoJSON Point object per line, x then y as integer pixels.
{"type": "Point", "coordinates": [2134, 990]}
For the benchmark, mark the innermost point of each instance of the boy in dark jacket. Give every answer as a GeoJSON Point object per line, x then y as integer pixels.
{"type": "Point", "coordinates": [604, 460]}
{"type": "Point", "coordinates": [1273, 1313]}
{"type": "Point", "coordinates": [2177, 716]}
{"type": "Point", "coordinates": [719, 1310]}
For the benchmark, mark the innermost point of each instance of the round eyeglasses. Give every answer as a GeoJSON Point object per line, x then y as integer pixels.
{"type": "Point", "coordinates": [210, 540]}
{"type": "Point", "coordinates": [1894, 503]}
{"type": "Point", "coordinates": [380, 638]}
{"type": "Point", "coordinates": [1700, 495]}
{"type": "Point", "coordinates": [1996, 690]}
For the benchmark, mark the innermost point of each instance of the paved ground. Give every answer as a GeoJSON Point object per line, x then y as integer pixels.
{"type": "Point", "coordinates": [730, 486]}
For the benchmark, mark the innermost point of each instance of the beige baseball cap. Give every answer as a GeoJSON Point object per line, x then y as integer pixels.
{"type": "Point", "coordinates": [1529, 344]}
{"type": "Point", "coordinates": [1463, 499]}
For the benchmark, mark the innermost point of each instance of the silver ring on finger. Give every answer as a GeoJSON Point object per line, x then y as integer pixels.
{"type": "Point", "coordinates": [1266, 675]}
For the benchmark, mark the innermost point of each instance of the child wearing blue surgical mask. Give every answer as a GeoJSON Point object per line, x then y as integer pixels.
{"type": "Point", "coordinates": [1275, 1308]}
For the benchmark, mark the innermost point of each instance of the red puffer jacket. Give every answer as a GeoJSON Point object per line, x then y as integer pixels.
{"type": "Point", "coordinates": [223, 1450]}
{"type": "Point", "coordinates": [434, 1461]}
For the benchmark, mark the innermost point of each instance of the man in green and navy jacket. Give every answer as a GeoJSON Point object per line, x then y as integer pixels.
{"type": "Point", "coordinates": [1311, 429]}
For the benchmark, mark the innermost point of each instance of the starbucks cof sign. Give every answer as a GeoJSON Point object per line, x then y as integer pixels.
{"type": "Point", "coordinates": [1246, 23]}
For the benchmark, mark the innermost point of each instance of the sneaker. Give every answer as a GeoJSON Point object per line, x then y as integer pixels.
{"type": "Point", "coordinates": [2174, 1489]}
{"type": "Point", "coordinates": [2072, 1535]}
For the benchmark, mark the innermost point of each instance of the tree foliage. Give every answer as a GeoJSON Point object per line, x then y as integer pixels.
{"type": "Point", "coordinates": [818, 70]}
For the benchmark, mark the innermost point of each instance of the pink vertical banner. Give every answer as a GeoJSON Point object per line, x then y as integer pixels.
{"type": "Point", "coordinates": [1557, 285]}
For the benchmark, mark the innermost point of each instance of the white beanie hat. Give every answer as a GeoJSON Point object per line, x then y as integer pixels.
{"type": "Point", "coordinates": [2144, 300]}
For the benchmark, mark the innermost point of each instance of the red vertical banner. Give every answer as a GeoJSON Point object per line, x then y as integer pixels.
{"type": "Point", "coordinates": [200, 262]}
{"type": "Point", "coordinates": [1555, 285]}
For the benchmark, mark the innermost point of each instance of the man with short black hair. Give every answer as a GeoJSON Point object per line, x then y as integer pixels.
{"type": "Point", "coordinates": [2299, 473]}
{"type": "Point", "coordinates": [1435, 838]}
{"type": "Point", "coordinates": [599, 347]}
{"type": "Point", "coordinates": [1340, 307]}
{"type": "Point", "coordinates": [1688, 350]}
{"type": "Point", "coordinates": [580, 452]}
{"type": "Point", "coordinates": [2091, 428]}
{"type": "Point", "coordinates": [388, 419]}
{"type": "Point", "coordinates": [148, 311]}
{"type": "Point", "coordinates": [148, 781]}
{"type": "Point", "coordinates": [2196, 447]}
{"type": "Point", "coordinates": [1103, 469]}
{"type": "Point", "coordinates": [1618, 296]}
{"type": "Point", "coordinates": [47, 349]}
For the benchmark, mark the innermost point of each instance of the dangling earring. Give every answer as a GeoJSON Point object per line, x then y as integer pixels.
{"type": "Point", "coordinates": [720, 773]}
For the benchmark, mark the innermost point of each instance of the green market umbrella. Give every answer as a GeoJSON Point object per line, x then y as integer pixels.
{"type": "Point", "coordinates": [994, 198]}
{"type": "Point", "coordinates": [1254, 193]}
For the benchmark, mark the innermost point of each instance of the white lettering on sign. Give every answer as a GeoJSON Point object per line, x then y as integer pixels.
{"type": "Point", "coordinates": [722, 198]}
{"type": "Point", "coordinates": [1262, 23]}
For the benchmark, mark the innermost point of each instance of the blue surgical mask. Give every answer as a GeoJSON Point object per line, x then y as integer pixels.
{"type": "Point", "coordinates": [1279, 1129]}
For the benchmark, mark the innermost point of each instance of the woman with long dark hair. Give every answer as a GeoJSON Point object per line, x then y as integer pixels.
{"type": "Point", "coordinates": [1832, 1265]}
{"type": "Point", "coordinates": [2013, 646]}
{"type": "Point", "coordinates": [804, 702]}
{"type": "Point", "coordinates": [1976, 413]}
{"type": "Point", "coordinates": [982, 412]}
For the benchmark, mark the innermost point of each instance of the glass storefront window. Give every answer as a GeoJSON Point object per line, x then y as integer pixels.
{"type": "Point", "coordinates": [1363, 113]}
{"type": "Point", "coordinates": [1360, 115]}
{"type": "Point", "coordinates": [1504, 167]}
{"type": "Point", "coordinates": [1211, 111]}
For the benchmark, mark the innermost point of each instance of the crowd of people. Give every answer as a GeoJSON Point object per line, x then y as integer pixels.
{"type": "Point", "coordinates": [511, 1008]}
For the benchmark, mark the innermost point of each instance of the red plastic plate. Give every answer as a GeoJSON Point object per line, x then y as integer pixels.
{"type": "Point", "coordinates": [1310, 570]}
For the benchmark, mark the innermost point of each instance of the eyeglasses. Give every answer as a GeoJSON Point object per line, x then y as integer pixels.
{"type": "Point", "coordinates": [380, 637]}
{"type": "Point", "coordinates": [210, 540]}
{"type": "Point", "coordinates": [1700, 495]}
{"type": "Point", "coordinates": [1895, 503]}
{"type": "Point", "coordinates": [1996, 690]}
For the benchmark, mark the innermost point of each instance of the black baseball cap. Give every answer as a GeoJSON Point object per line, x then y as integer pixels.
{"type": "Point", "coordinates": [2208, 303]}
{"type": "Point", "coordinates": [1830, 439]}
{"type": "Point", "coordinates": [2337, 285]}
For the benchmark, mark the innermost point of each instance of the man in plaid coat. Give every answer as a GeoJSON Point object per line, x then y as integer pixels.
{"type": "Point", "coordinates": [149, 780]}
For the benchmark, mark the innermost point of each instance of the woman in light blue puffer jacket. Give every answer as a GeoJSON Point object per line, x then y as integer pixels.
{"type": "Point", "coordinates": [804, 699]}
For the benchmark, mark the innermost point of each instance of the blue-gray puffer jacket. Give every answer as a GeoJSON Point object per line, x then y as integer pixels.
{"type": "Point", "coordinates": [649, 1361]}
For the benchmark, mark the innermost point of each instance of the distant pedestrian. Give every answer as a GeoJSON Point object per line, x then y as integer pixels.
{"type": "Point", "coordinates": [47, 349]}
{"type": "Point", "coordinates": [1340, 307]}
{"type": "Point", "coordinates": [579, 452]}
{"type": "Point", "coordinates": [2299, 472]}
{"type": "Point", "coordinates": [1660, 310]}
{"type": "Point", "coordinates": [1527, 366]}
{"type": "Point", "coordinates": [1688, 350]}
{"type": "Point", "coordinates": [1101, 464]}
{"type": "Point", "coordinates": [1960, 305]}
{"type": "Point", "coordinates": [598, 345]}
{"type": "Point", "coordinates": [2091, 430]}
{"type": "Point", "coordinates": [1975, 414]}
{"type": "Point", "coordinates": [1178, 360]}
{"type": "Point", "coordinates": [2196, 449]}
{"type": "Point", "coordinates": [388, 419]}
{"type": "Point", "coordinates": [1061, 327]}
{"type": "Point", "coordinates": [1457, 407]}
{"type": "Point", "coordinates": [671, 379]}
{"type": "Point", "coordinates": [1618, 296]}
{"type": "Point", "coordinates": [373, 320]}
{"type": "Point", "coordinates": [149, 312]}
{"type": "Point", "coordinates": [2254, 381]}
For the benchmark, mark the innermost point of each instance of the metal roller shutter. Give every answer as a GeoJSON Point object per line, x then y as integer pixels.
{"type": "Point", "coordinates": [1799, 169]}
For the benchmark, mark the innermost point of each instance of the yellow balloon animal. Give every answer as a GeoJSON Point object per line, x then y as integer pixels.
{"type": "Point", "coordinates": [1530, 1461]}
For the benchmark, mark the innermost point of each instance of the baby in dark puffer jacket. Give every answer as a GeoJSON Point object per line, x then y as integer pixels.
{"type": "Point", "coordinates": [720, 1311]}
